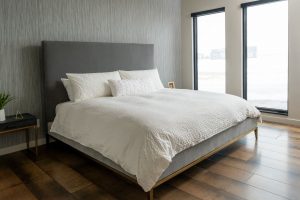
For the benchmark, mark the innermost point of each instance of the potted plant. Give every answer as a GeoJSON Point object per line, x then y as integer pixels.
{"type": "Point", "coordinates": [4, 99]}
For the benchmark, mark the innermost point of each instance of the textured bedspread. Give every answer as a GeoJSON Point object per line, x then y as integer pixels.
{"type": "Point", "coordinates": [143, 133]}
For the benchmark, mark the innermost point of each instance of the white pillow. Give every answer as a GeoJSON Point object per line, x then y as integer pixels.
{"type": "Point", "coordinates": [131, 87]}
{"type": "Point", "coordinates": [67, 83]}
{"type": "Point", "coordinates": [86, 86]}
{"type": "Point", "coordinates": [143, 74]}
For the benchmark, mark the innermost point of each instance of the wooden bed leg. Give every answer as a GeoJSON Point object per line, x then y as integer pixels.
{"type": "Point", "coordinates": [256, 133]}
{"type": "Point", "coordinates": [150, 195]}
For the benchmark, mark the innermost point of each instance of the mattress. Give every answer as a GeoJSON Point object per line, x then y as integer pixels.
{"type": "Point", "coordinates": [181, 159]}
{"type": "Point", "coordinates": [143, 133]}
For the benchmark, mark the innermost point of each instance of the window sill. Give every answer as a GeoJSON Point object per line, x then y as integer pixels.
{"type": "Point", "coordinates": [273, 111]}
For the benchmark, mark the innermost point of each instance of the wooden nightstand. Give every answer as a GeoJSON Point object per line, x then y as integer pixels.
{"type": "Point", "coordinates": [12, 125]}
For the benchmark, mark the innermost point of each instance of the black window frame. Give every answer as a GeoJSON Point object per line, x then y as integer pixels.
{"type": "Point", "coordinates": [245, 56]}
{"type": "Point", "coordinates": [195, 38]}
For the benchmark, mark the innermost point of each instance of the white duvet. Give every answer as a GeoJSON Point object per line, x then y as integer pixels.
{"type": "Point", "coordinates": [143, 133]}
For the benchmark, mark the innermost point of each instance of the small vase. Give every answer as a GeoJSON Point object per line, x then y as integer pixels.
{"type": "Point", "coordinates": [2, 115]}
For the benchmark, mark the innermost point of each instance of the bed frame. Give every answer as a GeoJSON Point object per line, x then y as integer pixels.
{"type": "Point", "coordinates": [59, 58]}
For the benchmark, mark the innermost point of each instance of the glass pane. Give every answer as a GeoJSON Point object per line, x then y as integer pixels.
{"type": "Point", "coordinates": [211, 52]}
{"type": "Point", "coordinates": [267, 29]}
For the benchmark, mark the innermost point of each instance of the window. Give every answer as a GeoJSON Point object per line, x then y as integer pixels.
{"type": "Point", "coordinates": [209, 50]}
{"type": "Point", "coordinates": [266, 55]}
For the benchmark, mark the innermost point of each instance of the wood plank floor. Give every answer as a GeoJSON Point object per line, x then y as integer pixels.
{"type": "Point", "coordinates": [264, 170]}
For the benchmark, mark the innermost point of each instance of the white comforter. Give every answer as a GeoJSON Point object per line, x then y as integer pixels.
{"type": "Point", "coordinates": [143, 133]}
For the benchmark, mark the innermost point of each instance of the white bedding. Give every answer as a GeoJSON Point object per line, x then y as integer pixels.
{"type": "Point", "coordinates": [143, 133]}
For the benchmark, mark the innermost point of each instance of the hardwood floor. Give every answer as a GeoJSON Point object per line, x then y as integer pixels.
{"type": "Point", "coordinates": [263, 170]}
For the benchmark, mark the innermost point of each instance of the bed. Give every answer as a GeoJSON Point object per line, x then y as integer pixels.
{"type": "Point", "coordinates": [60, 58]}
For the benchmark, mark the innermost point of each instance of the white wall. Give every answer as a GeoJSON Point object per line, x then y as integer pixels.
{"type": "Point", "coordinates": [234, 55]}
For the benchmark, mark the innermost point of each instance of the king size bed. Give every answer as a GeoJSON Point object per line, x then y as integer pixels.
{"type": "Point", "coordinates": [148, 138]}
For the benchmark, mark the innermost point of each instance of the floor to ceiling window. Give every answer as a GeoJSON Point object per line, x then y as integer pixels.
{"type": "Point", "coordinates": [266, 55]}
{"type": "Point", "coordinates": [209, 50]}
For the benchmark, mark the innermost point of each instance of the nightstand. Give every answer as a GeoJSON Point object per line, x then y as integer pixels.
{"type": "Point", "coordinates": [12, 125]}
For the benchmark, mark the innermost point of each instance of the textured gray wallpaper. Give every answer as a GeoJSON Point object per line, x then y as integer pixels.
{"type": "Point", "coordinates": [25, 23]}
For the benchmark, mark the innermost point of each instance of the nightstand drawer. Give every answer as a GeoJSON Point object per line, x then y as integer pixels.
{"type": "Point", "coordinates": [12, 123]}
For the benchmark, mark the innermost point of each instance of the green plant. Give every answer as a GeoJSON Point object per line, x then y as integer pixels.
{"type": "Point", "coordinates": [4, 99]}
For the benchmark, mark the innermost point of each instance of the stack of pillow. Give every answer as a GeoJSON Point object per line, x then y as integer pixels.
{"type": "Point", "coordinates": [119, 83]}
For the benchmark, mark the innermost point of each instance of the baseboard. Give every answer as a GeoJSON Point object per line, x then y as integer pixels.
{"type": "Point", "coordinates": [281, 120]}
{"type": "Point", "coordinates": [20, 147]}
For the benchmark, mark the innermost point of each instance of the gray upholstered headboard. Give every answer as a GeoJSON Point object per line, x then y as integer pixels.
{"type": "Point", "coordinates": [60, 58]}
